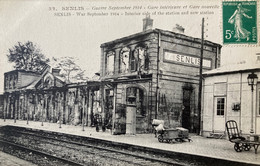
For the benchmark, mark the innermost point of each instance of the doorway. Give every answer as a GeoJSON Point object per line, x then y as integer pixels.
{"type": "Point", "coordinates": [186, 111]}
{"type": "Point", "coordinates": [219, 114]}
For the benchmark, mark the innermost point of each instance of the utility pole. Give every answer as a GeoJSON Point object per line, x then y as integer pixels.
{"type": "Point", "coordinates": [200, 74]}
{"type": "Point", "coordinates": [83, 109]}
{"type": "Point", "coordinates": [157, 75]}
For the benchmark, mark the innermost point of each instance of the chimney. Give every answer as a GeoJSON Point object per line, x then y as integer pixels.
{"type": "Point", "coordinates": [56, 72]}
{"type": "Point", "coordinates": [147, 23]}
{"type": "Point", "coordinates": [178, 29]}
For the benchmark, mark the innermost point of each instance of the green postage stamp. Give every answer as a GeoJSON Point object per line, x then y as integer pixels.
{"type": "Point", "coordinates": [239, 22]}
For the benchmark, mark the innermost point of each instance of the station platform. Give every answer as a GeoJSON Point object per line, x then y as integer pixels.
{"type": "Point", "coordinates": [200, 146]}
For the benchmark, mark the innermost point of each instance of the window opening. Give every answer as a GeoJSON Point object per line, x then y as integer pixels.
{"type": "Point", "coordinates": [124, 60]}
{"type": "Point", "coordinates": [220, 106]}
{"type": "Point", "coordinates": [110, 62]}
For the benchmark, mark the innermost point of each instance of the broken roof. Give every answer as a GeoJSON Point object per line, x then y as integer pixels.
{"type": "Point", "coordinates": [165, 32]}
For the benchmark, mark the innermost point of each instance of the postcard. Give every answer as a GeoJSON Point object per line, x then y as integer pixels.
{"type": "Point", "coordinates": [130, 66]}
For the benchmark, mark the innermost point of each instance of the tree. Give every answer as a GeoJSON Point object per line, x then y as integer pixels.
{"type": "Point", "coordinates": [70, 71]}
{"type": "Point", "coordinates": [27, 57]}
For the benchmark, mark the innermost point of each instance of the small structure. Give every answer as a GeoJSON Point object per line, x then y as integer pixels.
{"type": "Point", "coordinates": [227, 95]}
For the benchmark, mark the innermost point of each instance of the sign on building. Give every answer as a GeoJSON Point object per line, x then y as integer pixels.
{"type": "Point", "coordinates": [186, 59]}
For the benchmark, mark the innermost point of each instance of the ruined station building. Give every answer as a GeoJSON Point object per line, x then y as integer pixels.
{"type": "Point", "coordinates": [151, 75]}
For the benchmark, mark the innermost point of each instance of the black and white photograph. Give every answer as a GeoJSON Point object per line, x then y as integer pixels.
{"type": "Point", "coordinates": [127, 82]}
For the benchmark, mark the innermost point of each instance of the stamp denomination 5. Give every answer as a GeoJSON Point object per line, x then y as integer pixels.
{"type": "Point", "coordinates": [239, 22]}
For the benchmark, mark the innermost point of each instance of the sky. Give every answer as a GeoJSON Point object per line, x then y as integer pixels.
{"type": "Point", "coordinates": [81, 36]}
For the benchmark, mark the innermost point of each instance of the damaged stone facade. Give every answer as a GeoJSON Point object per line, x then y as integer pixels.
{"type": "Point", "coordinates": [45, 97]}
{"type": "Point", "coordinates": [149, 75]}
{"type": "Point", "coordinates": [153, 74]}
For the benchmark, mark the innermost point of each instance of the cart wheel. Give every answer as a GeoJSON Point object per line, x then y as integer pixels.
{"type": "Point", "coordinates": [178, 140]}
{"type": "Point", "coordinates": [160, 138]}
{"type": "Point", "coordinates": [169, 141]}
{"type": "Point", "coordinates": [246, 147]}
{"type": "Point", "coordinates": [238, 147]}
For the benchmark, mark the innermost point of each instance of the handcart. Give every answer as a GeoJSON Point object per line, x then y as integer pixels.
{"type": "Point", "coordinates": [178, 134]}
{"type": "Point", "coordinates": [241, 143]}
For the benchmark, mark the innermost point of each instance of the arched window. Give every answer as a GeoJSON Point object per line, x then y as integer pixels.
{"type": "Point", "coordinates": [48, 82]}
{"type": "Point", "coordinates": [124, 60]}
{"type": "Point", "coordinates": [110, 60]}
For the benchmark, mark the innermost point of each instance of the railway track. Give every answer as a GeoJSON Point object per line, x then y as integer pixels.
{"type": "Point", "coordinates": [110, 152]}
{"type": "Point", "coordinates": [34, 155]}
{"type": "Point", "coordinates": [83, 152]}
